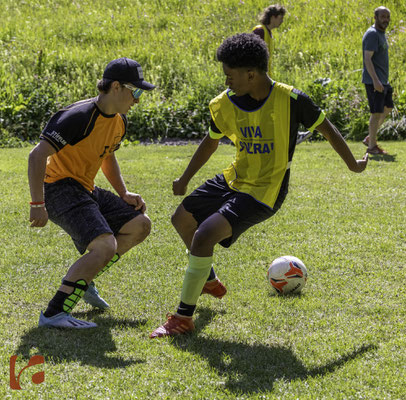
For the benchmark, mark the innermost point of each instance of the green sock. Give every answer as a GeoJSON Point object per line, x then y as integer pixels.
{"type": "Point", "coordinates": [79, 289]}
{"type": "Point", "coordinates": [212, 274]}
{"type": "Point", "coordinates": [195, 278]}
{"type": "Point", "coordinates": [109, 264]}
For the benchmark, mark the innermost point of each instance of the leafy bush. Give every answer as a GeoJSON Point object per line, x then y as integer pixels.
{"type": "Point", "coordinates": [175, 41]}
{"type": "Point", "coordinates": [343, 104]}
{"type": "Point", "coordinates": [393, 129]}
{"type": "Point", "coordinates": [25, 116]}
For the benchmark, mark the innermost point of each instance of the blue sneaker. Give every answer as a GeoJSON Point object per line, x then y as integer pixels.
{"type": "Point", "coordinates": [64, 320]}
{"type": "Point", "coordinates": [93, 298]}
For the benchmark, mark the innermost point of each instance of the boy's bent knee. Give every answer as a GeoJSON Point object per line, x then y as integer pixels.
{"type": "Point", "coordinates": [145, 225]}
{"type": "Point", "coordinates": [105, 245]}
{"type": "Point", "coordinates": [183, 220]}
{"type": "Point", "coordinates": [176, 217]}
{"type": "Point", "coordinates": [139, 227]}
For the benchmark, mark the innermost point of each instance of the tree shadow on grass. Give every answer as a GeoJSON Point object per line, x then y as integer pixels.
{"type": "Point", "coordinates": [87, 346]}
{"type": "Point", "coordinates": [253, 368]}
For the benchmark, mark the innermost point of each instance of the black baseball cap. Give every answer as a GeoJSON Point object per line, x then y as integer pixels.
{"type": "Point", "coordinates": [126, 70]}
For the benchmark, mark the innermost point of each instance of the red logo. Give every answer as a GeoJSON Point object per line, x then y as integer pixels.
{"type": "Point", "coordinates": [36, 378]}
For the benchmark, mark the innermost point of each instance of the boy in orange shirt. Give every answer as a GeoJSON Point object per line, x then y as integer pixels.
{"type": "Point", "coordinates": [77, 141]}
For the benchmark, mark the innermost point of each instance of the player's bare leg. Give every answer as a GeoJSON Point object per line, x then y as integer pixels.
{"type": "Point", "coordinates": [375, 122]}
{"type": "Point", "coordinates": [212, 231]}
{"type": "Point", "coordinates": [186, 226]}
{"type": "Point", "coordinates": [76, 283]}
{"type": "Point", "coordinates": [100, 251]}
{"type": "Point", "coordinates": [132, 233]}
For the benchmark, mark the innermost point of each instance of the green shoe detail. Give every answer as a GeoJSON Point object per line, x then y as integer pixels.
{"type": "Point", "coordinates": [109, 264]}
{"type": "Point", "coordinates": [79, 290]}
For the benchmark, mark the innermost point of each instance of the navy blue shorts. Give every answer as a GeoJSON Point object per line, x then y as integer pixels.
{"type": "Point", "coordinates": [377, 100]}
{"type": "Point", "coordinates": [85, 215]}
{"type": "Point", "coordinates": [240, 209]}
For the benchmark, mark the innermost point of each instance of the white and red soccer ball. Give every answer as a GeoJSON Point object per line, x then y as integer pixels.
{"type": "Point", "coordinates": [287, 275]}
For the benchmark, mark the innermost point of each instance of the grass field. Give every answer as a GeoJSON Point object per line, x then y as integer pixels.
{"type": "Point", "coordinates": [342, 338]}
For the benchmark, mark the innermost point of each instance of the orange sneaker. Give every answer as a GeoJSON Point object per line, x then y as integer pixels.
{"type": "Point", "coordinates": [366, 141]}
{"type": "Point", "coordinates": [215, 288]}
{"type": "Point", "coordinates": [376, 150]}
{"type": "Point", "coordinates": [175, 325]}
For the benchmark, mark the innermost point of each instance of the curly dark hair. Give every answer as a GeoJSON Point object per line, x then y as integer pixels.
{"type": "Point", "coordinates": [244, 50]}
{"type": "Point", "coordinates": [271, 11]}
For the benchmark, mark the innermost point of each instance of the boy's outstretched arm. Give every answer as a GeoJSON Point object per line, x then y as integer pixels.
{"type": "Point", "coordinates": [332, 134]}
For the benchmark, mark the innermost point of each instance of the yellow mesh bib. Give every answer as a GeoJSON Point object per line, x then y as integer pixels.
{"type": "Point", "coordinates": [261, 138]}
{"type": "Point", "coordinates": [270, 42]}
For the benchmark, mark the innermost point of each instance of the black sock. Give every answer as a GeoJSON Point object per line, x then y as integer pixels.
{"type": "Point", "coordinates": [55, 306]}
{"type": "Point", "coordinates": [185, 309]}
{"type": "Point", "coordinates": [66, 301]}
{"type": "Point", "coordinates": [212, 275]}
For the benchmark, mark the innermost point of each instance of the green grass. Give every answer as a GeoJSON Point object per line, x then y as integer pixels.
{"type": "Point", "coordinates": [342, 338]}
{"type": "Point", "coordinates": [53, 53]}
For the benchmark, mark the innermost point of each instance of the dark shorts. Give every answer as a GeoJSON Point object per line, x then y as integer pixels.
{"type": "Point", "coordinates": [85, 215]}
{"type": "Point", "coordinates": [377, 100]}
{"type": "Point", "coordinates": [240, 209]}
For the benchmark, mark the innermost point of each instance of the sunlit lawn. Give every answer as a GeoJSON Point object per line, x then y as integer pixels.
{"type": "Point", "coordinates": [342, 338]}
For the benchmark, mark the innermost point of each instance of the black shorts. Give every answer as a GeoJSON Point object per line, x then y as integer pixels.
{"type": "Point", "coordinates": [377, 100]}
{"type": "Point", "coordinates": [85, 215]}
{"type": "Point", "coordinates": [240, 209]}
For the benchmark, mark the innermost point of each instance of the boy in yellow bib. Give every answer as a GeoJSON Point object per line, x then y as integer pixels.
{"type": "Point", "coordinates": [271, 18]}
{"type": "Point", "coordinates": [262, 118]}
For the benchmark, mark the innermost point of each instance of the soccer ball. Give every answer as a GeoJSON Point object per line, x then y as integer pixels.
{"type": "Point", "coordinates": [287, 274]}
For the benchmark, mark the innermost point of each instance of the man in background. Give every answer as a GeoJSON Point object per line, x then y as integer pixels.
{"type": "Point", "coordinates": [375, 76]}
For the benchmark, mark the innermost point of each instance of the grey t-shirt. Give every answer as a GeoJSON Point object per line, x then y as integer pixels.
{"type": "Point", "coordinates": [375, 40]}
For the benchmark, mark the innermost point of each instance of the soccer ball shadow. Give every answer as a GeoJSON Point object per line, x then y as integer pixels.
{"type": "Point", "coordinates": [298, 295]}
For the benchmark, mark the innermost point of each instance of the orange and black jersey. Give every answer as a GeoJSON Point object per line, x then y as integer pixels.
{"type": "Point", "coordinates": [82, 136]}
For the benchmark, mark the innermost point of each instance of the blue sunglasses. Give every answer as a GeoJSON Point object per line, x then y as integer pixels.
{"type": "Point", "coordinates": [137, 92]}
